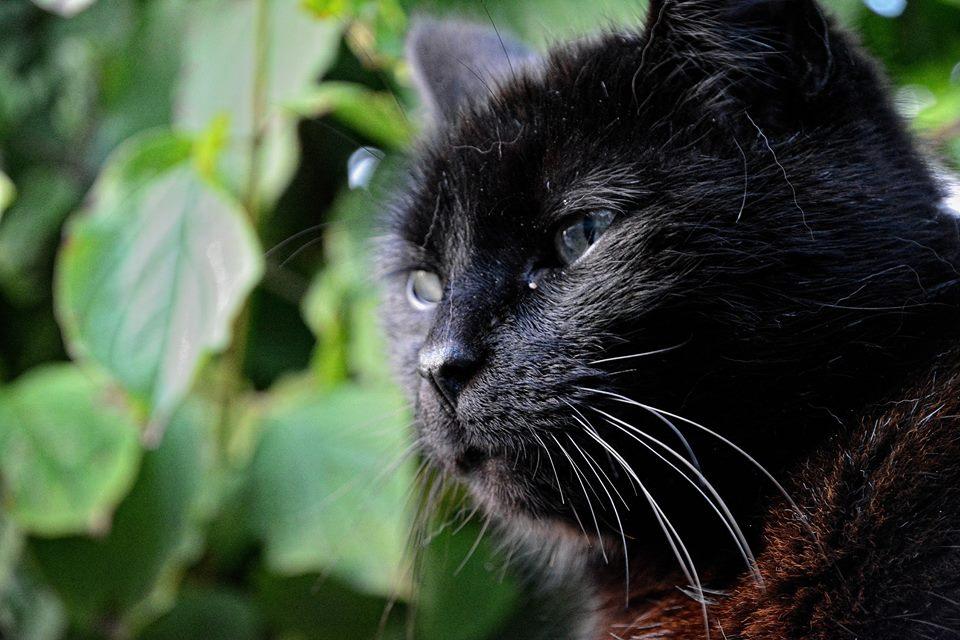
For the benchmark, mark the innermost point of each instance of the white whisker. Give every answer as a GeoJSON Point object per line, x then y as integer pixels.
{"type": "Point", "coordinates": [639, 355]}
{"type": "Point", "coordinates": [623, 536]}
{"type": "Point", "coordinates": [723, 439]}
{"type": "Point", "coordinates": [723, 512]}
{"type": "Point", "coordinates": [669, 532]}
{"type": "Point", "coordinates": [552, 465]}
{"type": "Point", "coordinates": [577, 473]}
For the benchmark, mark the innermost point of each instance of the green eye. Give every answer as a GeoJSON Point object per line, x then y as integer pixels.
{"type": "Point", "coordinates": [575, 240]}
{"type": "Point", "coordinates": [424, 289]}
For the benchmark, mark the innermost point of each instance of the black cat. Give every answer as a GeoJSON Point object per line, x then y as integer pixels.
{"type": "Point", "coordinates": [642, 292]}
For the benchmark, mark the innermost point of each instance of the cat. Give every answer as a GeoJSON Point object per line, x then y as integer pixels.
{"type": "Point", "coordinates": [678, 306]}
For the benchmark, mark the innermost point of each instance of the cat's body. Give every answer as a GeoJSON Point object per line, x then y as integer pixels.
{"type": "Point", "coordinates": [875, 554]}
{"type": "Point", "coordinates": [632, 281]}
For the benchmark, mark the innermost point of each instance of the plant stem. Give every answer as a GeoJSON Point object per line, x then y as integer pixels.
{"type": "Point", "coordinates": [258, 108]}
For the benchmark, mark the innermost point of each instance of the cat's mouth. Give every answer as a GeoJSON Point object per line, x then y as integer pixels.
{"type": "Point", "coordinates": [493, 477]}
{"type": "Point", "coordinates": [471, 460]}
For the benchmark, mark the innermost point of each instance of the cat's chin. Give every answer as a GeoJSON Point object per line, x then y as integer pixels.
{"type": "Point", "coordinates": [553, 540]}
{"type": "Point", "coordinates": [503, 493]}
{"type": "Point", "coordinates": [496, 487]}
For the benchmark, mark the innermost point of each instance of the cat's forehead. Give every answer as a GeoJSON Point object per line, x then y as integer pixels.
{"type": "Point", "coordinates": [536, 149]}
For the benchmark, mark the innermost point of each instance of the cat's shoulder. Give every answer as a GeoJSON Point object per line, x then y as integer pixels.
{"type": "Point", "coordinates": [874, 551]}
{"type": "Point", "coordinates": [871, 547]}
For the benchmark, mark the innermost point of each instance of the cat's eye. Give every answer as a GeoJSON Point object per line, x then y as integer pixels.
{"type": "Point", "coordinates": [574, 240]}
{"type": "Point", "coordinates": [424, 289]}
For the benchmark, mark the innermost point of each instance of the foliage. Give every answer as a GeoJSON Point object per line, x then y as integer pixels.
{"type": "Point", "coordinates": [200, 438]}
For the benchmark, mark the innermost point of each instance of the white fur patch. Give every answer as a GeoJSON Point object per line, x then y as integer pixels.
{"type": "Point", "coordinates": [951, 203]}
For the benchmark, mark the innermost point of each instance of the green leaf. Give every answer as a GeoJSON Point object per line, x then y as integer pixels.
{"type": "Point", "coordinates": [11, 545]}
{"type": "Point", "coordinates": [954, 149]}
{"type": "Point", "coordinates": [319, 607]}
{"type": "Point", "coordinates": [7, 193]}
{"type": "Point", "coordinates": [29, 231]}
{"type": "Point", "coordinates": [341, 306]}
{"type": "Point", "coordinates": [153, 272]}
{"type": "Point", "coordinates": [374, 114]}
{"type": "Point", "coordinates": [29, 610]}
{"type": "Point", "coordinates": [207, 614]}
{"type": "Point", "coordinates": [221, 49]}
{"type": "Point", "coordinates": [464, 595]}
{"type": "Point", "coordinates": [68, 451]}
{"type": "Point", "coordinates": [154, 532]}
{"type": "Point", "coordinates": [330, 8]}
{"type": "Point", "coordinates": [327, 486]}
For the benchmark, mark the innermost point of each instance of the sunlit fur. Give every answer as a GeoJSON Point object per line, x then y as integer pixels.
{"type": "Point", "coordinates": [781, 260]}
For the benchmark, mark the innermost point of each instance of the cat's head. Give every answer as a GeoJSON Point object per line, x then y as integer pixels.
{"type": "Point", "coordinates": [717, 217]}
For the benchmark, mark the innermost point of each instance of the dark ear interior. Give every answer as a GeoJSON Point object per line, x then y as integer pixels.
{"type": "Point", "coordinates": [456, 62]}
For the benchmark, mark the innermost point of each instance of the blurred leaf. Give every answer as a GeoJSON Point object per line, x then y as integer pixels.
{"type": "Point", "coordinates": [954, 149]}
{"type": "Point", "coordinates": [323, 608]}
{"type": "Point", "coordinates": [464, 593]}
{"type": "Point", "coordinates": [11, 544]}
{"type": "Point", "coordinates": [29, 230]}
{"type": "Point", "coordinates": [327, 467]}
{"type": "Point", "coordinates": [847, 11]}
{"type": "Point", "coordinates": [153, 272]}
{"type": "Point", "coordinates": [207, 614]}
{"type": "Point", "coordinates": [541, 23]}
{"type": "Point", "coordinates": [328, 307]}
{"type": "Point", "coordinates": [65, 8]}
{"type": "Point", "coordinates": [68, 451]}
{"type": "Point", "coordinates": [223, 36]}
{"type": "Point", "coordinates": [325, 308]}
{"type": "Point", "coordinates": [941, 104]}
{"type": "Point", "coordinates": [325, 9]}
{"type": "Point", "coordinates": [373, 114]}
{"type": "Point", "coordinates": [28, 609]}
{"type": "Point", "coordinates": [138, 74]}
{"type": "Point", "coordinates": [154, 530]}
{"type": "Point", "coordinates": [341, 306]}
{"type": "Point", "coordinates": [7, 193]}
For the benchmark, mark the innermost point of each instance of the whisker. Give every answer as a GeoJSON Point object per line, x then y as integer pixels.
{"type": "Point", "coordinates": [280, 245]}
{"type": "Point", "coordinates": [668, 530]}
{"type": "Point", "coordinates": [306, 245]}
{"type": "Point", "coordinates": [552, 465]}
{"type": "Point", "coordinates": [726, 516]}
{"type": "Point", "coordinates": [716, 435]}
{"type": "Point", "coordinates": [691, 574]}
{"type": "Point", "coordinates": [683, 439]}
{"type": "Point", "coordinates": [640, 355]}
{"type": "Point", "coordinates": [589, 427]}
{"type": "Point", "coordinates": [577, 473]}
{"type": "Point", "coordinates": [616, 513]}
{"type": "Point", "coordinates": [801, 514]}
{"type": "Point", "coordinates": [474, 547]}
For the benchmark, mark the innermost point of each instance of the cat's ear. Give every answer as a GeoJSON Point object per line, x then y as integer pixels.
{"type": "Point", "coordinates": [455, 63]}
{"type": "Point", "coordinates": [774, 55]}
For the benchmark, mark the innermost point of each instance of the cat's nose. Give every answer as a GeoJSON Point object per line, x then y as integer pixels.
{"type": "Point", "coordinates": [448, 366]}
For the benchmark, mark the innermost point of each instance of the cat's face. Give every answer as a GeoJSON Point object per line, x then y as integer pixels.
{"type": "Point", "coordinates": [675, 222]}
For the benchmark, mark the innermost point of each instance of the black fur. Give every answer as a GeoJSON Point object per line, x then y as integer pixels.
{"type": "Point", "coordinates": [778, 234]}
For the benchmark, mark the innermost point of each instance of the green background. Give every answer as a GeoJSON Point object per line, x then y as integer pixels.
{"type": "Point", "coordinates": [198, 434]}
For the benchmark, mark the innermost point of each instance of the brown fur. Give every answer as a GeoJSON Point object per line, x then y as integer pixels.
{"type": "Point", "coordinates": [876, 554]}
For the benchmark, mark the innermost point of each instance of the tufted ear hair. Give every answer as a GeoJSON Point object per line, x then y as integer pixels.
{"type": "Point", "coordinates": [776, 56]}
{"type": "Point", "coordinates": [455, 63]}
